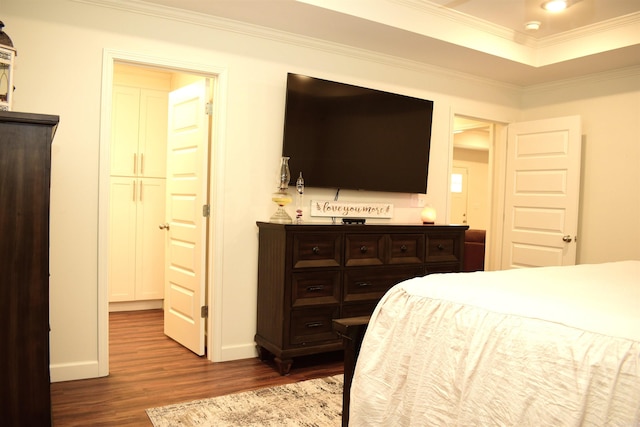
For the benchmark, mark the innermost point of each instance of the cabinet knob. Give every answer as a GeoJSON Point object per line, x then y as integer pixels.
{"type": "Point", "coordinates": [403, 248]}
{"type": "Point", "coordinates": [315, 250]}
{"type": "Point", "coordinates": [164, 226]}
{"type": "Point", "coordinates": [440, 246]}
{"type": "Point", "coordinates": [363, 249]}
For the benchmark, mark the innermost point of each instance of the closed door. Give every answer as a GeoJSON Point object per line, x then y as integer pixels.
{"type": "Point", "coordinates": [139, 139]}
{"type": "Point", "coordinates": [542, 193]}
{"type": "Point", "coordinates": [150, 241]}
{"type": "Point", "coordinates": [122, 238]}
{"type": "Point", "coordinates": [459, 199]}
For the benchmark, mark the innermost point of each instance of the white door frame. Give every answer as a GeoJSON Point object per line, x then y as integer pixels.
{"type": "Point", "coordinates": [497, 167]}
{"type": "Point", "coordinates": [218, 74]}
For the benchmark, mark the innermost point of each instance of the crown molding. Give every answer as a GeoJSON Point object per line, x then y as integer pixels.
{"type": "Point", "coordinates": [631, 20]}
{"type": "Point", "coordinates": [475, 23]}
{"type": "Point", "coordinates": [251, 30]}
{"type": "Point", "coordinates": [589, 79]}
{"type": "Point", "coordinates": [627, 22]}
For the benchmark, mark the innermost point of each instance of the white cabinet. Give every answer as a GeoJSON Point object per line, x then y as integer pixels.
{"type": "Point", "coordinates": [139, 132]}
{"type": "Point", "coordinates": [136, 243]}
{"type": "Point", "coordinates": [138, 154]}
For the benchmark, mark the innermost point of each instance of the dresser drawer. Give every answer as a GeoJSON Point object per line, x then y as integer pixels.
{"type": "Point", "coordinates": [313, 288]}
{"type": "Point", "coordinates": [316, 250]}
{"type": "Point", "coordinates": [406, 248]}
{"type": "Point", "coordinates": [441, 248]}
{"type": "Point", "coordinates": [363, 284]}
{"type": "Point", "coordinates": [364, 249]}
{"type": "Point", "coordinates": [313, 325]}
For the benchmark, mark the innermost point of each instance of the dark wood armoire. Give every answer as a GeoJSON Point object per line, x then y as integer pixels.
{"type": "Point", "coordinates": [25, 169]}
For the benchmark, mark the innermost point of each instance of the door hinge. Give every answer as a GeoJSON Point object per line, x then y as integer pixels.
{"type": "Point", "coordinates": [204, 311]}
{"type": "Point", "coordinates": [206, 210]}
{"type": "Point", "coordinates": [208, 108]}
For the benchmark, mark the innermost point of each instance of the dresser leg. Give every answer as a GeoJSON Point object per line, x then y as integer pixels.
{"type": "Point", "coordinates": [263, 354]}
{"type": "Point", "coordinates": [284, 366]}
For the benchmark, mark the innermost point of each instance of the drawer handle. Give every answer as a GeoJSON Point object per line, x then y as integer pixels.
{"type": "Point", "coordinates": [315, 250]}
{"type": "Point", "coordinates": [364, 285]}
{"type": "Point", "coordinates": [316, 288]}
{"type": "Point", "coordinates": [440, 246]}
{"type": "Point", "coordinates": [403, 248]}
{"type": "Point", "coordinates": [314, 324]}
{"type": "Point", "coordinates": [363, 249]}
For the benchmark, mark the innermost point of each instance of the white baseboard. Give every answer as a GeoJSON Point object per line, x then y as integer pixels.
{"type": "Point", "coordinates": [245, 351]}
{"type": "Point", "coordinates": [135, 305]}
{"type": "Point", "coordinates": [74, 371]}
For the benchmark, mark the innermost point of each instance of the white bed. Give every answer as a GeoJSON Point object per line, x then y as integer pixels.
{"type": "Point", "coordinates": [553, 346]}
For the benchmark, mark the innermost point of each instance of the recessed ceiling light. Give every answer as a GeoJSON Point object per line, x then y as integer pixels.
{"type": "Point", "coordinates": [532, 25]}
{"type": "Point", "coordinates": [555, 5]}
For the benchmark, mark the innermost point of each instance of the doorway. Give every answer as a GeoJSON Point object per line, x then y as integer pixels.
{"type": "Point", "coordinates": [470, 183]}
{"type": "Point", "coordinates": [180, 74]}
{"type": "Point", "coordinates": [148, 104]}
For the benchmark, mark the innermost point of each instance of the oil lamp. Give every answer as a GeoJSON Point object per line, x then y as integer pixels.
{"type": "Point", "coordinates": [7, 58]}
{"type": "Point", "coordinates": [282, 197]}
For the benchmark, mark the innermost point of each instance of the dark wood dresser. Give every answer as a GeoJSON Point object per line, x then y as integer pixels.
{"type": "Point", "coordinates": [25, 165]}
{"type": "Point", "coordinates": [310, 274]}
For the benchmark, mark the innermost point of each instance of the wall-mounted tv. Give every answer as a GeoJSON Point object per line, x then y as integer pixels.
{"type": "Point", "coordinates": [349, 137]}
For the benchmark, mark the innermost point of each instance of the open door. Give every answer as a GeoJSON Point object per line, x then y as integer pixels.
{"type": "Point", "coordinates": [542, 193]}
{"type": "Point", "coordinates": [187, 216]}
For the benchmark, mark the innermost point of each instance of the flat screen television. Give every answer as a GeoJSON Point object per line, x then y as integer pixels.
{"type": "Point", "coordinates": [349, 137]}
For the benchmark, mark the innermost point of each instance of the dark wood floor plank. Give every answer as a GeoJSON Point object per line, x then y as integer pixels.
{"type": "Point", "coordinates": [148, 369]}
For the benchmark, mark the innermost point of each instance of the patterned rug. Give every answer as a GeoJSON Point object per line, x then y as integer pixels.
{"type": "Point", "coordinates": [311, 403]}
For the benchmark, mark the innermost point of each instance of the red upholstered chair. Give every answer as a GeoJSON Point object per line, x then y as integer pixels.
{"type": "Point", "coordinates": [474, 242]}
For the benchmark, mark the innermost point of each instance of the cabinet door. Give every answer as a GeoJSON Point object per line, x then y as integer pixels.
{"type": "Point", "coordinates": [122, 238]}
{"type": "Point", "coordinates": [152, 143]}
{"type": "Point", "coordinates": [125, 112]}
{"type": "Point", "coordinates": [150, 239]}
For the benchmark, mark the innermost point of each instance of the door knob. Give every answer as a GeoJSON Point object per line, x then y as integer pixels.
{"type": "Point", "coordinates": [164, 226]}
{"type": "Point", "coordinates": [566, 238]}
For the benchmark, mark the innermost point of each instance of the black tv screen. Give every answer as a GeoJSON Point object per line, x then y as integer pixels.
{"type": "Point", "coordinates": [349, 137]}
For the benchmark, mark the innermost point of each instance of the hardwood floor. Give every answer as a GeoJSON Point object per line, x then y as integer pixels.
{"type": "Point", "coordinates": [147, 369]}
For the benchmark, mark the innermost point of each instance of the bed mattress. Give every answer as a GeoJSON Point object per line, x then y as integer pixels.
{"type": "Point", "coordinates": [552, 346]}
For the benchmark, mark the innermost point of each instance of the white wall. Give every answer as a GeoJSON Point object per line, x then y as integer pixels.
{"type": "Point", "coordinates": [609, 104]}
{"type": "Point", "coordinates": [60, 47]}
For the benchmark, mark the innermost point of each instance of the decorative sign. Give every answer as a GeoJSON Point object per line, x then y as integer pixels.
{"type": "Point", "coordinates": [351, 209]}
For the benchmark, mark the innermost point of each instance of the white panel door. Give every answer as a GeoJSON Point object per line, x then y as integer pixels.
{"type": "Point", "coordinates": [125, 125]}
{"type": "Point", "coordinates": [122, 238]}
{"type": "Point", "coordinates": [459, 199]}
{"type": "Point", "coordinates": [542, 193]}
{"type": "Point", "coordinates": [187, 179]}
{"type": "Point", "coordinates": [150, 239]}
{"type": "Point", "coordinates": [152, 146]}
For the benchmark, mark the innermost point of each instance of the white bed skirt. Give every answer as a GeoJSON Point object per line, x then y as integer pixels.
{"type": "Point", "coordinates": [538, 347]}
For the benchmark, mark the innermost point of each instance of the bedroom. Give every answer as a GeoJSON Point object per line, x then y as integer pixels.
{"type": "Point", "coordinates": [65, 78]}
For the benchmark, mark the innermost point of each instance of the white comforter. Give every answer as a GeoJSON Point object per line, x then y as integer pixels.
{"type": "Point", "coordinates": [556, 346]}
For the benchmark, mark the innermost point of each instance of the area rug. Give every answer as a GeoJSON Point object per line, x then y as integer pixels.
{"type": "Point", "coordinates": [311, 403]}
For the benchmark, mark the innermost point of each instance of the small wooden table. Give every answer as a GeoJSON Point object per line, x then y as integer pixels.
{"type": "Point", "coordinates": [352, 330]}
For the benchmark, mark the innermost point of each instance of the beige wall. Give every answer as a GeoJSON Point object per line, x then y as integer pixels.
{"type": "Point", "coordinates": [60, 47]}
{"type": "Point", "coordinates": [609, 222]}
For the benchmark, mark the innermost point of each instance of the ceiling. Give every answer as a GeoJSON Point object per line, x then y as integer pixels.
{"type": "Point", "coordinates": [485, 38]}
